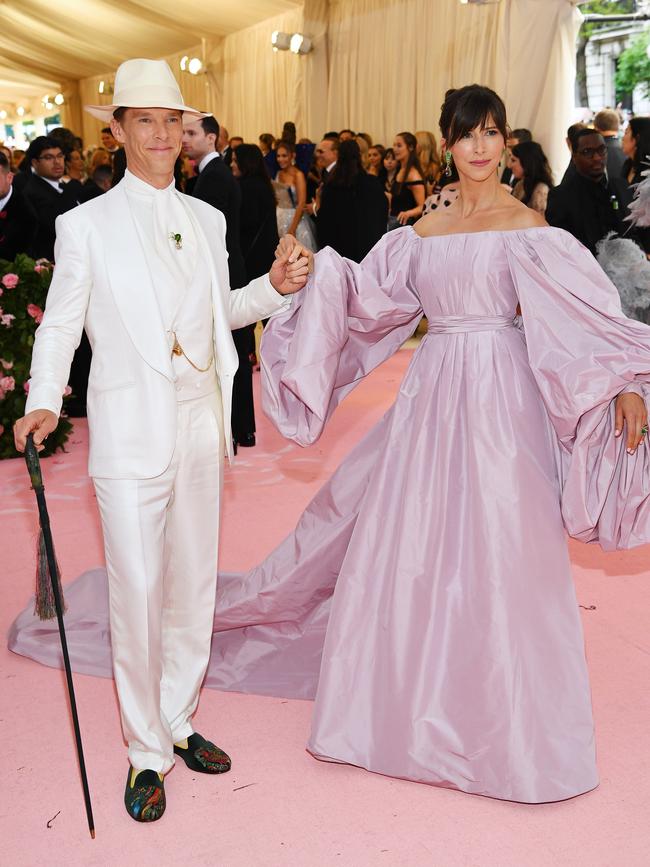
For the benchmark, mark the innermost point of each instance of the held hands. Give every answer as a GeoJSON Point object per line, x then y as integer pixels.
{"type": "Point", "coordinates": [293, 264]}
{"type": "Point", "coordinates": [631, 409]}
{"type": "Point", "coordinates": [40, 422]}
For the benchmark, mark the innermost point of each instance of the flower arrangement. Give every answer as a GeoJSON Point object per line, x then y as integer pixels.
{"type": "Point", "coordinates": [23, 289]}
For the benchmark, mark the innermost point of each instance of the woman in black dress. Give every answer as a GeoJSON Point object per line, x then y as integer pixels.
{"type": "Point", "coordinates": [258, 226]}
{"type": "Point", "coordinates": [258, 240]}
{"type": "Point", "coordinates": [408, 189]}
{"type": "Point", "coordinates": [353, 209]}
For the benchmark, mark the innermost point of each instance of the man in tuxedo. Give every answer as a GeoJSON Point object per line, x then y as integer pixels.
{"type": "Point", "coordinates": [99, 183]}
{"type": "Point", "coordinates": [216, 185]}
{"type": "Point", "coordinates": [144, 267]}
{"type": "Point", "coordinates": [45, 192]}
{"type": "Point", "coordinates": [607, 123]}
{"type": "Point", "coordinates": [17, 219]}
{"type": "Point", "coordinates": [587, 203]}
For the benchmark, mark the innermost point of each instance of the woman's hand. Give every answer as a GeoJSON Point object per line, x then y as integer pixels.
{"type": "Point", "coordinates": [403, 217]}
{"type": "Point", "coordinates": [631, 409]}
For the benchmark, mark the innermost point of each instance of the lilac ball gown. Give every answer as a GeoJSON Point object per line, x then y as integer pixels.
{"type": "Point", "coordinates": [425, 596]}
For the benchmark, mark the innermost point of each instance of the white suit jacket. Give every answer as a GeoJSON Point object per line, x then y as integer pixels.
{"type": "Point", "coordinates": [102, 282]}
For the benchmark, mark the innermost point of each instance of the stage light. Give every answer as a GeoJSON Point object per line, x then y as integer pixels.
{"type": "Point", "coordinates": [3, 114]}
{"type": "Point", "coordinates": [194, 66]}
{"type": "Point", "coordinates": [183, 64]}
{"type": "Point", "coordinates": [280, 41]}
{"type": "Point", "coordinates": [101, 87]}
{"type": "Point", "coordinates": [20, 111]}
{"type": "Point", "coordinates": [59, 99]}
{"type": "Point", "coordinates": [300, 44]}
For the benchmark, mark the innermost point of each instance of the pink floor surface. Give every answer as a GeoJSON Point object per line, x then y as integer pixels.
{"type": "Point", "coordinates": [279, 806]}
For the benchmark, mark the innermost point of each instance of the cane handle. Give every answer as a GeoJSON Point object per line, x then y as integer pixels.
{"type": "Point", "coordinates": [33, 463]}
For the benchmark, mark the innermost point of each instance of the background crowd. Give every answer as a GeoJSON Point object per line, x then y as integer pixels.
{"type": "Point", "coordinates": [344, 191]}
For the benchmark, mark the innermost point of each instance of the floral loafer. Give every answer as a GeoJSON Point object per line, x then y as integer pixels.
{"type": "Point", "coordinates": [203, 756]}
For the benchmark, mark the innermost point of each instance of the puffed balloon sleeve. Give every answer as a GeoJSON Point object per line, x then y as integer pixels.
{"type": "Point", "coordinates": [347, 320]}
{"type": "Point", "coordinates": [584, 352]}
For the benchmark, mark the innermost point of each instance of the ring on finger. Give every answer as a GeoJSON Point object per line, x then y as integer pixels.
{"type": "Point", "coordinates": [644, 429]}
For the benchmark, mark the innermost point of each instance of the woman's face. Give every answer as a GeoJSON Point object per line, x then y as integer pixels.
{"type": "Point", "coordinates": [234, 168]}
{"type": "Point", "coordinates": [400, 149]}
{"type": "Point", "coordinates": [628, 144]}
{"type": "Point", "coordinates": [390, 162]}
{"type": "Point", "coordinates": [283, 157]}
{"type": "Point", "coordinates": [75, 164]}
{"type": "Point", "coordinates": [516, 167]}
{"type": "Point", "coordinates": [374, 158]}
{"type": "Point", "coordinates": [478, 153]}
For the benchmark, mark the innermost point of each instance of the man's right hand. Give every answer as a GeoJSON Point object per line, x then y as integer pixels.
{"type": "Point", "coordinates": [40, 422]}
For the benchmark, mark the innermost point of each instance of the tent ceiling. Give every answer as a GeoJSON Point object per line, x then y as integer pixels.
{"type": "Point", "coordinates": [44, 43]}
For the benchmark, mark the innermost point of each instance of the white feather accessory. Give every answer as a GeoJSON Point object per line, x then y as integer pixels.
{"type": "Point", "coordinates": [640, 206]}
{"type": "Point", "coordinates": [628, 268]}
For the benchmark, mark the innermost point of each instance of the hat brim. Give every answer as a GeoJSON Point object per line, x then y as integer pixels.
{"type": "Point", "coordinates": [105, 112]}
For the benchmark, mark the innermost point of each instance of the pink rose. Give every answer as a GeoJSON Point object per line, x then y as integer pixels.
{"type": "Point", "coordinates": [2, 429]}
{"type": "Point", "coordinates": [6, 319]}
{"type": "Point", "coordinates": [35, 312]}
{"type": "Point", "coordinates": [26, 386]}
{"type": "Point", "coordinates": [39, 268]}
{"type": "Point", "coordinates": [66, 391]}
{"type": "Point", "coordinates": [10, 281]}
{"type": "Point", "coordinates": [7, 365]}
{"type": "Point", "coordinates": [7, 383]}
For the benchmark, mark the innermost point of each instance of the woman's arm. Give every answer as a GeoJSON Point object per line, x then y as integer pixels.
{"type": "Point", "coordinates": [419, 194]}
{"type": "Point", "coordinates": [301, 196]}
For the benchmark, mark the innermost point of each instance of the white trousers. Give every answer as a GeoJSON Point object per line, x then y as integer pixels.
{"type": "Point", "coordinates": [161, 542]}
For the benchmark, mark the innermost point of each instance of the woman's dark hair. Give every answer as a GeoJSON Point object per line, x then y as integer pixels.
{"type": "Point", "coordinates": [289, 133]}
{"type": "Point", "coordinates": [250, 162]}
{"type": "Point", "coordinates": [267, 140]}
{"type": "Point", "coordinates": [413, 161]}
{"type": "Point", "coordinates": [640, 127]}
{"type": "Point", "coordinates": [535, 165]}
{"type": "Point", "coordinates": [348, 165]}
{"type": "Point", "coordinates": [470, 107]}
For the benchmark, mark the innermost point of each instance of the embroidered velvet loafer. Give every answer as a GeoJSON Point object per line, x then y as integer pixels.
{"type": "Point", "coordinates": [203, 756]}
{"type": "Point", "coordinates": [144, 797]}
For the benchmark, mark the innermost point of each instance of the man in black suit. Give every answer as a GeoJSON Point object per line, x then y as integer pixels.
{"type": "Point", "coordinates": [216, 185]}
{"type": "Point", "coordinates": [99, 184]}
{"type": "Point", "coordinates": [587, 203]}
{"type": "Point", "coordinates": [46, 194]}
{"type": "Point", "coordinates": [17, 219]}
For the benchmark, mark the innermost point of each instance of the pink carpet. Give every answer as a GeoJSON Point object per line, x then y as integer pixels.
{"type": "Point", "coordinates": [279, 806]}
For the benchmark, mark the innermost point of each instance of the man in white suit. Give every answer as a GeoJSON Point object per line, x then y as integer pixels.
{"type": "Point", "coordinates": [134, 268]}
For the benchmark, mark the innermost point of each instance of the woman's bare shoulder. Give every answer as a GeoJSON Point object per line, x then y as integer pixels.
{"type": "Point", "coordinates": [520, 216]}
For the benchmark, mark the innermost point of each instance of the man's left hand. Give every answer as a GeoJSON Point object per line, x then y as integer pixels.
{"type": "Point", "coordinates": [292, 266]}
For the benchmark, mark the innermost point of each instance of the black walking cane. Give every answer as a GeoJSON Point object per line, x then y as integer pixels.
{"type": "Point", "coordinates": [34, 467]}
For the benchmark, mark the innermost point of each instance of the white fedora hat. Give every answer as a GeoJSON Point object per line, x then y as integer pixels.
{"type": "Point", "coordinates": [145, 84]}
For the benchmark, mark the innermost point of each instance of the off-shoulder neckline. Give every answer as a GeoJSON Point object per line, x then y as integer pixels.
{"type": "Point", "coordinates": [486, 232]}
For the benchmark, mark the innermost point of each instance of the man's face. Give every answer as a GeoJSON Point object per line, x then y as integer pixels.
{"type": "Point", "coordinates": [346, 135]}
{"type": "Point", "coordinates": [50, 164]}
{"type": "Point", "coordinates": [325, 154]}
{"type": "Point", "coordinates": [197, 143]}
{"type": "Point", "coordinates": [151, 138]}
{"type": "Point", "coordinates": [108, 141]}
{"type": "Point", "coordinates": [590, 159]}
{"type": "Point", "coordinates": [6, 177]}
{"type": "Point", "coordinates": [224, 138]}
{"type": "Point", "coordinates": [235, 142]}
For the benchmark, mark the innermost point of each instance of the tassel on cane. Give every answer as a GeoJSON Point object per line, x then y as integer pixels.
{"type": "Point", "coordinates": [44, 605]}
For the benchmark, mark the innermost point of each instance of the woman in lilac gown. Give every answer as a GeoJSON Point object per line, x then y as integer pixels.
{"type": "Point", "coordinates": [426, 590]}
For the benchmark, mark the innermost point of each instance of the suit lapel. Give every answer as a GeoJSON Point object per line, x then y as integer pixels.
{"type": "Point", "coordinates": [130, 282]}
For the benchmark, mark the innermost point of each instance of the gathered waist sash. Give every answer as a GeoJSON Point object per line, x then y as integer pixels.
{"type": "Point", "coordinates": [463, 324]}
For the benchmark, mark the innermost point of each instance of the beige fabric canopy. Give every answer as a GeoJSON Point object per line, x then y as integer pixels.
{"type": "Point", "coordinates": [376, 65]}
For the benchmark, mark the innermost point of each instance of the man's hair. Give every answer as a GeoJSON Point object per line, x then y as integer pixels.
{"type": "Point", "coordinates": [573, 129]}
{"type": "Point", "coordinates": [102, 173]}
{"type": "Point", "coordinates": [333, 139]}
{"type": "Point", "coordinates": [330, 135]}
{"type": "Point", "coordinates": [351, 131]}
{"type": "Point", "coordinates": [209, 125]}
{"type": "Point", "coordinates": [4, 162]}
{"type": "Point", "coordinates": [521, 134]}
{"type": "Point", "coordinates": [118, 114]}
{"type": "Point", "coordinates": [578, 135]}
{"type": "Point", "coordinates": [607, 120]}
{"type": "Point", "coordinates": [107, 129]}
{"type": "Point", "coordinates": [41, 143]}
